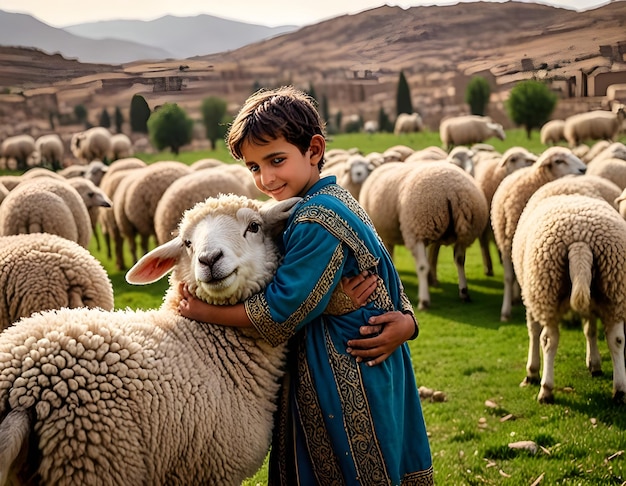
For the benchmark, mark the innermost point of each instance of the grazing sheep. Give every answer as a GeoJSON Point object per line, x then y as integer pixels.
{"type": "Point", "coordinates": [371, 126]}
{"type": "Point", "coordinates": [20, 148]}
{"type": "Point", "coordinates": [593, 125]}
{"type": "Point", "coordinates": [488, 175]}
{"type": "Point", "coordinates": [397, 153]}
{"type": "Point", "coordinates": [41, 271]}
{"type": "Point", "coordinates": [552, 132]}
{"type": "Point", "coordinates": [189, 190]}
{"type": "Point", "coordinates": [46, 205]}
{"type": "Point", "coordinates": [150, 397]}
{"type": "Point", "coordinates": [510, 198]}
{"type": "Point", "coordinates": [121, 147]}
{"type": "Point", "coordinates": [408, 123]}
{"type": "Point", "coordinates": [429, 154]}
{"type": "Point", "coordinates": [141, 197]}
{"type": "Point", "coordinates": [92, 144]}
{"type": "Point", "coordinates": [418, 205]}
{"type": "Point", "coordinates": [616, 150]}
{"type": "Point", "coordinates": [569, 252]}
{"type": "Point", "coordinates": [468, 129]}
{"type": "Point", "coordinates": [41, 172]}
{"type": "Point", "coordinates": [50, 149]}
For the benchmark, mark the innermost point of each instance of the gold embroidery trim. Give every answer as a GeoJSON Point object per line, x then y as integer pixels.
{"type": "Point", "coordinates": [275, 333]}
{"type": "Point", "coordinates": [419, 478]}
{"type": "Point", "coordinates": [325, 463]}
{"type": "Point", "coordinates": [358, 422]}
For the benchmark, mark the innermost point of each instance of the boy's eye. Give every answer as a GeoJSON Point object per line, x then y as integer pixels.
{"type": "Point", "coordinates": [253, 167]}
{"type": "Point", "coordinates": [277, 160]}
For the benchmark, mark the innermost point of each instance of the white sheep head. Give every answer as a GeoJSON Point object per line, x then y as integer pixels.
{"type": "Point", "coordinates": [560, 161]}
{"type": "Point", "coordinates": [225, 250]}
{"type": "Point", "coordinates": [516, 158]}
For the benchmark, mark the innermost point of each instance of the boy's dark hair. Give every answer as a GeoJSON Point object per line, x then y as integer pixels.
{"type": "Point", "coordinates": [270, 114]}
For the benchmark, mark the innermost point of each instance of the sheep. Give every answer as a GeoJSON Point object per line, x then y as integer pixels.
{"type": "Point", "coordinates": [615, 150]}
{"type": "Point", "coordinates": [94, 199]}
{"type": "Point", "coordinates": [426, 204]}
{"type": "Point", "coordinates": [140, 198]}
{"type": "Point", "coordinates": [121, 147]}
{"type": "Point", "coordinates": [113, 238]}
{"type": "Point", "coordinates": [4, 192]}
{"type": "Point", "coordinates": [150, 397]}
{"type": "Point", "coordinates": [612, 169]}
{"type": "Point", "coordinates": [46, 205]}
{"type": "Point", "coordinates": [188, 190]}
{"type": "Point", "coordinates": [569, 252]}
{"type": "Point", "coordinates": [92, 144]}
{"type": "Point", "coordinates": [510, 198]}
{"type": "Point", "coordinates": [468, 129]}
{"type": "Point", "coordinates": [594, 150]}
{"type": "Point", "coordinates": [408, 123]}
{"type": "Point", "coordinates": [392, 153]}
{"type": "Point", "coordinates": [488, 175]}
{"type": "Point", "coordinates": [20, 148]}
{"type": "Point", "coordinates": [429, 153]}
{"type": "Point", "coordinates": [552, 132]}
{"type": "Point", "coordinates": [50, 149]}
{"type": "Point", "coordinates": [371, 126]}
{"type": "Point", "coordinates": [207, 163]}
{"type": "Point", "coordinates": [593, 125]}
{"type": "Point", "coordinates": [41, 172]}
{"type": "Point", "coordinates": [42, 271]}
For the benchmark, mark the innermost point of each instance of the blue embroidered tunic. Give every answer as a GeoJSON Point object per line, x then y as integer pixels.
{"type": "Point", "coordinates": [339, 422]}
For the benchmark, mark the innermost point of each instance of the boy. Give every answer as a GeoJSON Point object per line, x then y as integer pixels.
{"type": "Point", "coordinates": [346, 416]}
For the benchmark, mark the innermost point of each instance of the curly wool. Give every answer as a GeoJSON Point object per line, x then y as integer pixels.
{"type": "Point", "coordinates": [44, 271]}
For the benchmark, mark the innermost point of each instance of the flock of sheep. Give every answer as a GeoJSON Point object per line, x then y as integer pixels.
{"type": "Point", "coordinates": [109, 392]}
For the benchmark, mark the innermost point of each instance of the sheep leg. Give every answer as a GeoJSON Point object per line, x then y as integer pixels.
{"type": "Point", "coordinates": [534, 360]}
{"type": "Point", "coordinates": [422, 268]}
{"type": "Point", "coordinates": [549, 345]}
{"type": "Point", "coordinates": [433, 256]}
{"type": "Point", "coordinates": [459, 261]}
{"type": "Point", "coordinates": [484, 240]}
{"type": "Point", "coordinates": [615, 341]}
{"type": "Point", "coordinates": [505, 312]}
{"type": "Point", "coordinates": [145, 241]}
{"type": "Point", "coordinates": [590, 328]}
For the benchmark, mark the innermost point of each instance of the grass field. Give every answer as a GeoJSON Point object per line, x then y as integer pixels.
{"type": "Point", "coordinates": [478, 362]}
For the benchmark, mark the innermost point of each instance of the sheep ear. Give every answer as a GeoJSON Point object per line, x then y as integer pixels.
{"type": "Point", "coordinates": [156, 263]}
{"type": "Point", "coordinates": [275, 214]}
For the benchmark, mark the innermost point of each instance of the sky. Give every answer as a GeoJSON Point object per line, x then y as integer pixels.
{"type": "Point", "coordinates": [61, 13]}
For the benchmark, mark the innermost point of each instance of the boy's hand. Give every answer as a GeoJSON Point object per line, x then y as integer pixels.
{"type": "Point", "coordinates": [189, 306]}
{"type": "Point", "coordinates": [389, 331]}
{"type": "Point", "coordinates": [360, 287]}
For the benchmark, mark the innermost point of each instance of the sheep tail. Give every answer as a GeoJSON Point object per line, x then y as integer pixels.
{"type": "Point", "coordinates": [14, 432]}
{"type": "Point", "coordinates": [580, 266]}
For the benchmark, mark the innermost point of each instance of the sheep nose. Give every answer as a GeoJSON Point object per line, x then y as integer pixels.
{"type": "Point", "coordinates": [209, 259]}
{"type": "Point", "coordinates": [583, 170]}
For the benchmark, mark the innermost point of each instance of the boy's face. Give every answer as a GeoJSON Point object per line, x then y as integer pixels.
{"type": "Point", "coordinates": [280, 170]}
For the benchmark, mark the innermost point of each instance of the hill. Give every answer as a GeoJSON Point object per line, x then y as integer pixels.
{"type": "Point", "coordinates": [354, 62]}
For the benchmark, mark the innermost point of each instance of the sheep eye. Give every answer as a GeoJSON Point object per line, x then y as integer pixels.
{"type": "Point", "coordinates": [253, 227]}
{"type": "Point", "coordinates": [188, 243]}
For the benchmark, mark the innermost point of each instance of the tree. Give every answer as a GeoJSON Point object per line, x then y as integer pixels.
{"type": "Point", "coordinates": [530, 104]}
{"type": "Point", "coordinates": [119, 119]}
{"type": "Point", "coordinates": [139, 114]}
{"type": "Point", "coordinates": [384, 123]}
{"type": "Point", "coordinates": [477, 95]}
{"type": "Point", "coordinates": [403, 96]}
{"type": "Point", "coordinates": [324, 108]}
{"type": "Point", "coordinates": [213, 111]}
{"type": "Point", "coordinates": [80, 112]}
{"type": "Point", "coordinates": [169, 126]}
{"type": "Point", "coordinates": [105, 119]}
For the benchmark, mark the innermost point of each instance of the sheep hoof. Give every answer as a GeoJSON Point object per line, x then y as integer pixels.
{"type": "Point", "coordinates": [504, 318]}
{"type": "Point", "coordinates": [596, 373]}
{"type": "Point", "coordinates": [423, 305]}
{"type": "Point", "coordinates": [464, 295]}
{"type": "Point", "coordinates": [618, 397]}
{"type": "Point", "coordinates": [545, 396]}
{"type": "Point", "coordinates": [529, 380]}
{"type": "Point", "coordinates": [489, 273]}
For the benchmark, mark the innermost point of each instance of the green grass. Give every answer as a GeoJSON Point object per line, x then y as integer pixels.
{"type": "Point", "coordinates": [466, 352]}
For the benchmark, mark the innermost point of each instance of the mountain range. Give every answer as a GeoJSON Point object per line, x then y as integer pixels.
{"type": "Point", "coordinates": [122, 41]}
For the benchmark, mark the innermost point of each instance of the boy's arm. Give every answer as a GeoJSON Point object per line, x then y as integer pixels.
{"type": "Point", "coordinates": [225, 315]}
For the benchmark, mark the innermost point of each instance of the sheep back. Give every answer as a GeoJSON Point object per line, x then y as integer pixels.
{"type": "Point", "coordinates": [44, 271]}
